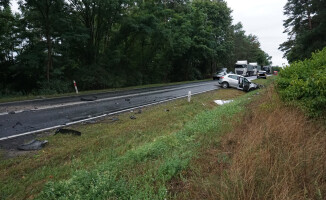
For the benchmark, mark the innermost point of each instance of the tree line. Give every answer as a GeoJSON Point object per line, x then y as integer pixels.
{"type": "Point", "coordinates": [306, 28]}
{"type": "Point", "coordinates": [117, 43]}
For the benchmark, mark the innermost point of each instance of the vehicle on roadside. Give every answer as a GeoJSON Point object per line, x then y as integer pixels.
{"type": "Point", "coordinates": [219, 74]}
{"type": "Point", "coordinates": [243, 68]}
{"type": "Point", "coordinates": [262, 74]}
{"type": "Point", "coordinates": [238, 82]}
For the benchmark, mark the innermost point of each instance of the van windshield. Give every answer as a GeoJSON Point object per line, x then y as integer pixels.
{"type": "Point", "coordinates": [240, 66]}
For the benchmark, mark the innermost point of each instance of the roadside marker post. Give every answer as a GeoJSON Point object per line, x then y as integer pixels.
{"type": "Point", "coordinates": [75, 86]}
{"type": "Point", "coordinates": [189, 96]}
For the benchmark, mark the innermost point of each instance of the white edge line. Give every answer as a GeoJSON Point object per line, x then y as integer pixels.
{"type": "Point", "coordinates": [100, 116]}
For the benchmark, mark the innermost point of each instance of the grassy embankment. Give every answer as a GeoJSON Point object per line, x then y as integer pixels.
{"type": "Point", "coordinates": [12, 98]}
{"type": "Point", "coordinates": [277, 151]}
{"type": "Point", "coordinates": [124, 159]}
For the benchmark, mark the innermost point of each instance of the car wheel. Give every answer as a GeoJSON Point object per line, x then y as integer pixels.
{"type": "Point", "coordinates": [225, 85]}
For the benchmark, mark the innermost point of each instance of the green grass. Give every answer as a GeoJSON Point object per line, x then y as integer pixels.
{"type": "Point", "coordinates": [266, 81]}
{"type": "Point", "coordinates": [4, 99]}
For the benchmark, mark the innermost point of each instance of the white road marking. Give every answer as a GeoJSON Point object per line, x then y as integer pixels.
{"type": "Point", "coordinates": [96, 117]}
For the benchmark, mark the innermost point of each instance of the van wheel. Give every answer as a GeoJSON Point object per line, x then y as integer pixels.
{"type": "Point", "coordinates": [225, 85]}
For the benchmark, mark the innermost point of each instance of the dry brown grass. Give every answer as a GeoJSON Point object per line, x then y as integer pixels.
{"type": "Point", "coordinates": [274, 153]}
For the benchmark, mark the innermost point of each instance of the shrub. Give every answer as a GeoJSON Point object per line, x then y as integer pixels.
{"type": "Point", "coordinates": [304, 84]}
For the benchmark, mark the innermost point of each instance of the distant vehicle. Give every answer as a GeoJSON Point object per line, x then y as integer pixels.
{"type": "Point", "coordinates": [262, 74]}
{"type": "Point", "coordinates": [238, 82]}
{"type": "Point", "coordinates": [243, 68]}
{"type": "Point", "coordinates": [219, 74]}
{"type": "Point", "coordinates": [268, 69]}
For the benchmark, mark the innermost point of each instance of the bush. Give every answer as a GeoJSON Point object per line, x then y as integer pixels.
{"type": "Point", "coordinates": [54, 87]}
{"type": "Point", "coordinates": [304, 84]}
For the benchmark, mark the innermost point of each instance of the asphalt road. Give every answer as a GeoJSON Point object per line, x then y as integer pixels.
{"type": "Point", "coordinates": [23, 118]}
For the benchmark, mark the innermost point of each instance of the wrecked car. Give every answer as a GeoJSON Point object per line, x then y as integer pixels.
{"type": "Point", "coordinates": [238, 82]}
{"type": "Point", "coordinates": [245, 85]}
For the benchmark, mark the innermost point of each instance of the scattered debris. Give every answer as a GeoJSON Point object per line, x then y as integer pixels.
{"type": "Point", "coordinates": [78, 118]}
{"type": "Point", "coordinates": [116, 103]}
{"type": "Point", "coordinates": [114, 119]}
{"type": "Point", "coordinates": [92, 98]}
{"type": "Point", "coordinates": [89, 122]}
{"type": "Point", "coordinates": [132, 117]}
{"type": "Point", "coordinates": [131, 111]}
{"type": "Point", "coordinates": [67, 131]}
{"type": "Point", "coordinates": [257, 93]}
{"type": "Point", "coordinates": [167, 110]}
{"type": "Point", "coordinates": [11, 112]}
{"type": "Point", "coordinates": [17, 124]}
{"type": "Point", "coordinates": [139, 111]}
{"type": "Point", "coordinates": [222, 102]}
{"type": "Point", "coordinates": [32, 145]}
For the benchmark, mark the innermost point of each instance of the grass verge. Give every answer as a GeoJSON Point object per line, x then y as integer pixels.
{"type": "Point", "coordinates": [275, 152]}
{"type": "Point", "coordinates": [125, 159]}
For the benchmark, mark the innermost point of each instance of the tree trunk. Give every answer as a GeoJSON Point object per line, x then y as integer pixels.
{"type": "Point", "coordinates": [49, 60]}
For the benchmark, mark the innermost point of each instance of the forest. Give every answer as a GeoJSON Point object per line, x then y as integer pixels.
{"type": "Point", "coordinates": [117, 43]}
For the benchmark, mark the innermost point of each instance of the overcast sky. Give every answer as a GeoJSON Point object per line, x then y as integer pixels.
{"type": "Point", "coordinates": [263, 18]}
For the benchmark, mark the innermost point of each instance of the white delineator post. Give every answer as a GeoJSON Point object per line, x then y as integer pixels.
{"type": "Point", "coordinates": [75, 86]}
{"type": "Point", "coordinates": [189, 96]}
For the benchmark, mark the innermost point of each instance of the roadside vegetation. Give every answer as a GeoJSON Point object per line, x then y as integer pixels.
{"type": "Point", "coordinates": [304, 84]}
{"type": "Point", "coordinates": [275, 152]}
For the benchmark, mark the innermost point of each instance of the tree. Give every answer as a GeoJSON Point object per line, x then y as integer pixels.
{"type": "Point", "coordinates": [44, 19]}
{"type": "Point", "coordinates": [306, 26]}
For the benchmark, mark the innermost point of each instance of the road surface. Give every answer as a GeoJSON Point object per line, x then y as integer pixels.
{"type": "Point", "coordinates": [27, 117]}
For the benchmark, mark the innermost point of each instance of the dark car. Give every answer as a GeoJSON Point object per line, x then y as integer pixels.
{"type": "Point", "coordinates": [262, 74]}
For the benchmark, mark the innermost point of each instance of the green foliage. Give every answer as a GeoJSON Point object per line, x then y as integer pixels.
{"type": "Point", "coordinates": [306, 26]}
{"type": "Point", "coordinates": [116, 43]}
{"type": "Point", "coordinates": [276, 68]}
{"type": "Point", "coordinates": [304, 84]}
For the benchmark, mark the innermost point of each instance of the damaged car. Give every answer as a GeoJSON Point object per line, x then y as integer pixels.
{"type": "Point", "coordinates": [237, 81]}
